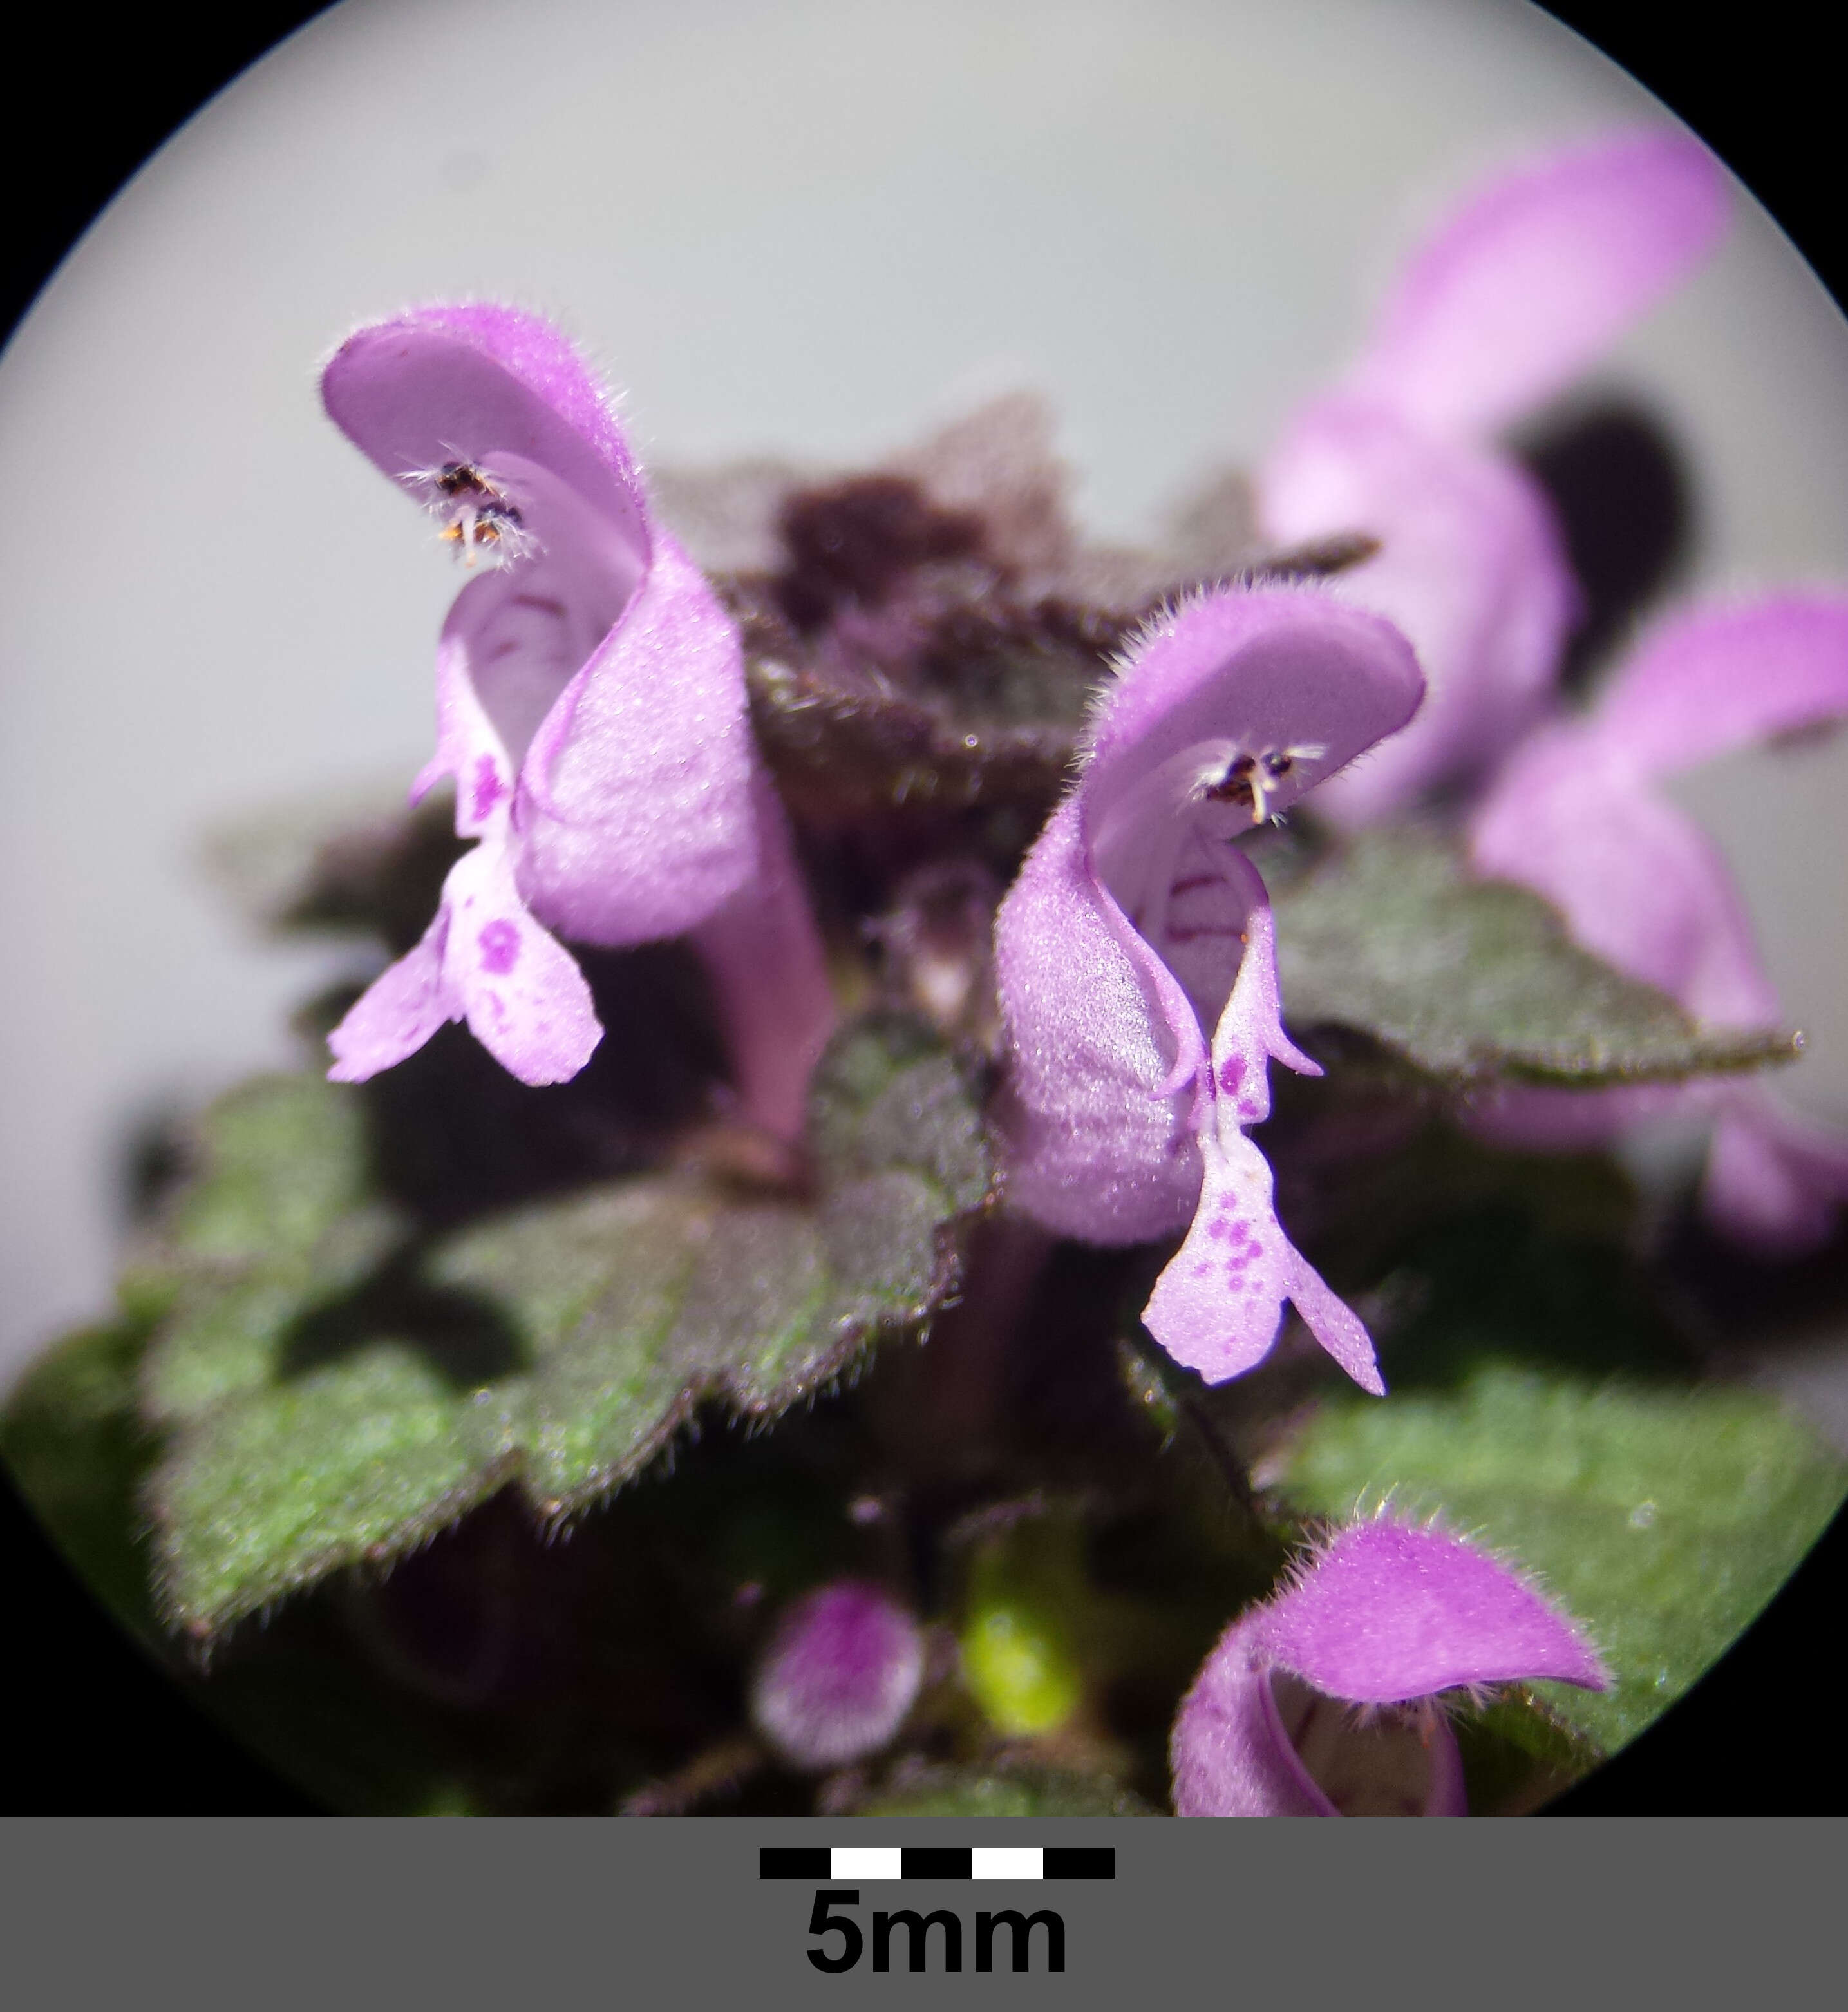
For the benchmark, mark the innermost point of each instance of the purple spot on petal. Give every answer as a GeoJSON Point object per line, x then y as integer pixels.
{"type": "Point", "coordinates": [500, 947]}
{"type": "Point", "coordinates": [1232, 1074]}
{"type": "Point", "coordinates": [487, 793]}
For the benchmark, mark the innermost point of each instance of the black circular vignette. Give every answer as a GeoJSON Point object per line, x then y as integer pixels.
{"type": "Point", "coordinates": [98, 1730]}
{"type": "Point", "coordinates": [1747, 1739]}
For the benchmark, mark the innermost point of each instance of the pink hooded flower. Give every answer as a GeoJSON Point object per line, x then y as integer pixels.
{"type": "Point", "coordinates": [1576, 816]}
{"type": "Point", "coordinates": [1526, 285]}
{"type": "Point", "coordinates": [1137, 963]}
{"type": "Point", "coordinates": [1386, 1616]}
{"type": "Point", "coordinates": [591, 709]}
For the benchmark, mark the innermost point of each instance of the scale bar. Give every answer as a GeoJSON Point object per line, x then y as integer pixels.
{"type": "Point", "coordinates": [909, 1861]}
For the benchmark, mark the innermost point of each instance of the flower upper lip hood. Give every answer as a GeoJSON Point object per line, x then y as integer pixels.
{"type": "Point", "coordinates": [1503, 305]}
{"type": "Point", "coordinates": [1137, 964]}
{"type": "Point", "coordinates": [1576, 815]}
{"type": "Point", "coordinates": [591, 709]}
{"type": "Point", "coordinates": [1384, 1615]}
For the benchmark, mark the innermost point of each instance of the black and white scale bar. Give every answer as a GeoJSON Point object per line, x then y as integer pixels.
{"type": "Point", "coordinates": [911, 1861]}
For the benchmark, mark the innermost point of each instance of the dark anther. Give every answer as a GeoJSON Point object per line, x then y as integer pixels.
{"type": "Point", "coordinates": [1235, 785]}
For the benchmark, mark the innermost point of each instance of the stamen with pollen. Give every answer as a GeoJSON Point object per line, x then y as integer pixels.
{"type": "Point", "coordinates": [478, 515]}
{"type": "Point", "coordinates": [1250, 779]}
{"type": "Point", "coordinates": [475, 527]}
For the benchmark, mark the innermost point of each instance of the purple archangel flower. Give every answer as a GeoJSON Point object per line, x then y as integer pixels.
{"type": "Point", "coordinates": [842, 1671]}
{"type": "Point", "coordinates": [1137, 961]}
{"type": "Point", "coordinates": [1384, 1617]}
{"type": "Point", "coordinates": [1529, 282]}
{"type": "Point", "coordinates": [591, 709]}
{"type": "Point", "coordinates": [1575, 815]}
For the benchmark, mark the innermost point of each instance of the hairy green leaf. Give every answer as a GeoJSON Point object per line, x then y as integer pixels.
{"type": "Point", "coordinates": [1469, 980]}
{"type": "Point", "coordinates": [336, 1395]}
{"type": "Point", "coordinates": [70, 1435]}
{"type": "Point", "coordinates": [278, 1218]}
{"type": "Point", "coordinates": [1662, 1518]}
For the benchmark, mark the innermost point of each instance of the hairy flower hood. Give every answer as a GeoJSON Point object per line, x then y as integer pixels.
{"type": "Point", "coordinates": [1576, 815]}
{"type": "Point", "coordinates": [590, 709]}
{"type": "Point", "coordinates": [1385, 1615]}
{"type": "Point", "coordinates": [1137, 963]}
{"type": "Point", "coordinates": [1525, 285]}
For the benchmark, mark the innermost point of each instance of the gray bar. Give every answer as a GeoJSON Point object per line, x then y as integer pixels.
{"type": "Point", "coordinates": [464, 1914]}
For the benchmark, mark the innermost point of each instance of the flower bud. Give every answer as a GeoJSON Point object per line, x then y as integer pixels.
{"type": "Point", "coordinates": [841, 1672]}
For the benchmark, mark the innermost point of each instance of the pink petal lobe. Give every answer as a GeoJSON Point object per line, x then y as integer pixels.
{"type": "Point", "coordinates": [1775, 1183]}
{"type": "Point", "coordinates": [397, 1012]}
{"type": "Point", "coordinates": [1388, 1613]}
{"type": "Point", "coordinates": [524, 997]}
{"type": "Point", "coordinates": [639, 778]}
{"type": "Point", "coordinates": [1720, 678]}
{"type": "Point", "coordinates": [1636, 879]}
{"type": "Point", "coordinates": [472, 747]}
{"type": "Point", "coordinates": [1249, 1034]}
{"type": "Point", "coordinates": [1534, 278]}
{"type": "Point", "coordinates": [1219, 1304]}
{"type": "Point", "coordinates": [1471, 570]}
{"type": "Point", "coordinates": [1092, 1145]}
{"type": "Point", "coordinates": [1231, 1753]}
{"type": "Point", "coordinates": [1337, 1329]}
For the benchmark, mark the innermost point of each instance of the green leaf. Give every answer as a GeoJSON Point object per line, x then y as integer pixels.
{"type": "Point", "coordinates": [1002, 1791]}
{"type": "Point", "coordinates": [70, 1435]}
{"type": "Point", "coordinates": [1467, 980]}
{"type": "Point", "coordinates": [1517, 1753]}
{"type": "Point", "coordinates": [337, 1397]}
{"type": "Point", "coordinates": [274, 1488]}
{"type": "Point", "coordinates": [1663, 1519]}
{"type": "Point", "coordinates": [278, 1218]}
